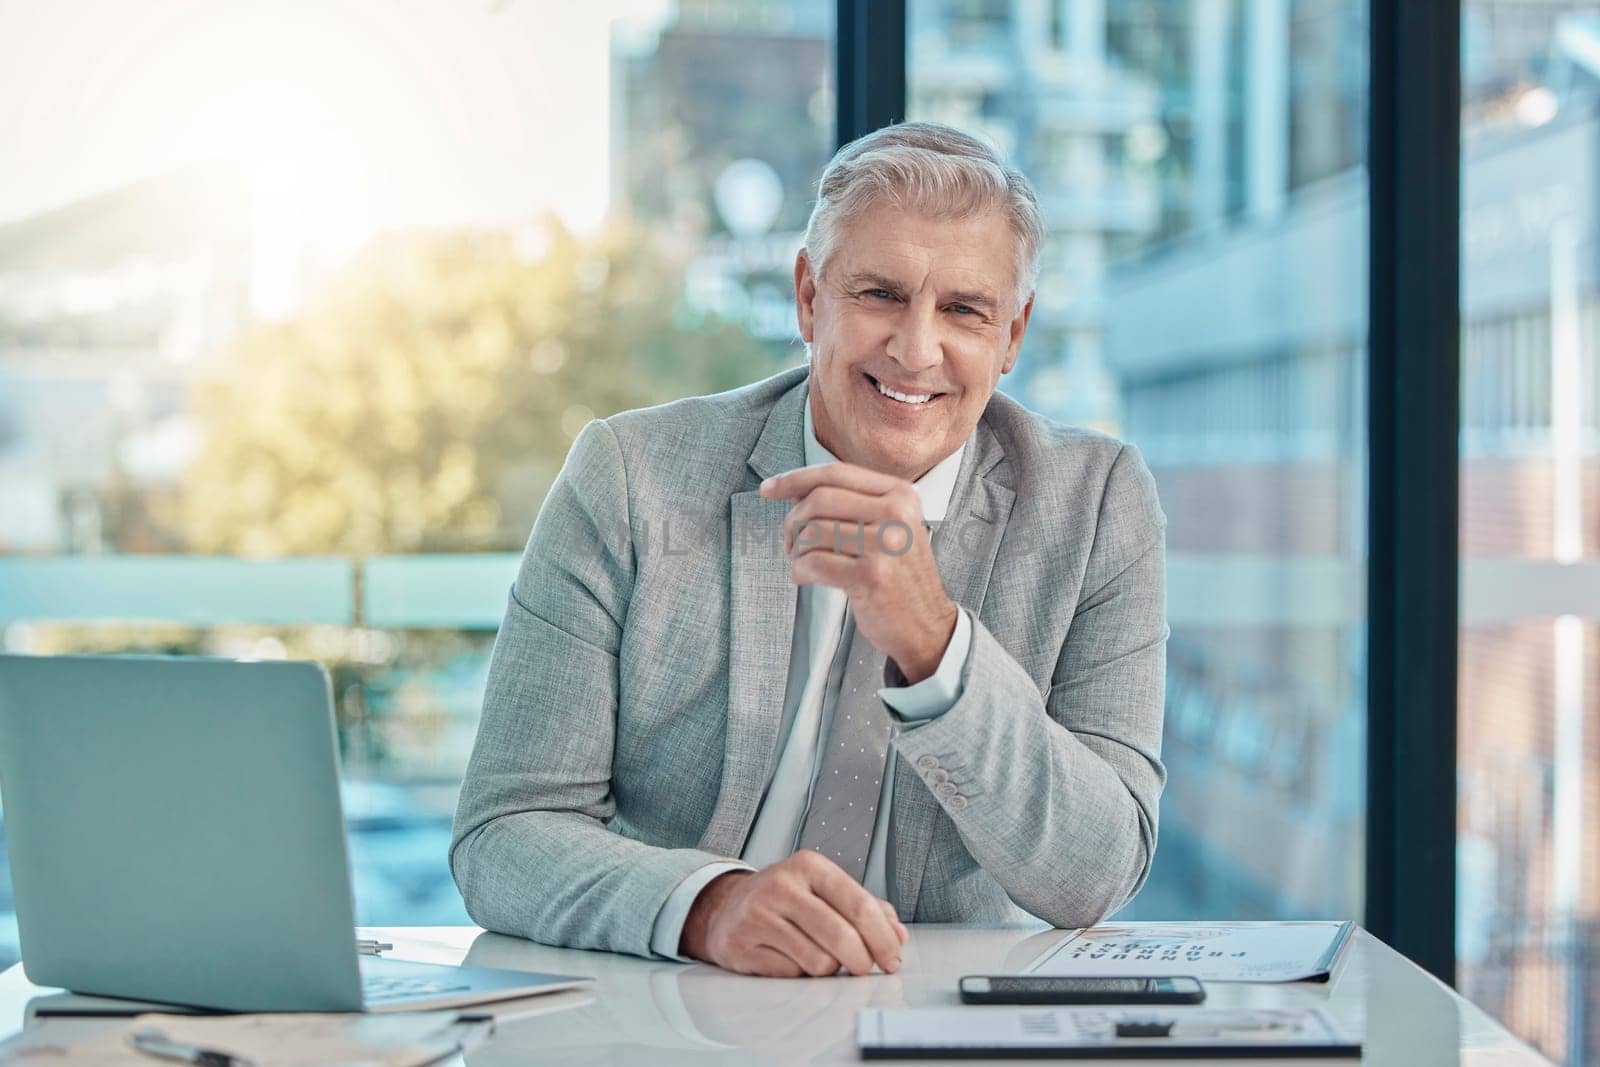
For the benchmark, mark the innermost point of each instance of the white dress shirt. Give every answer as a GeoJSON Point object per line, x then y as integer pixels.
{"type": "Point", "coordinates": [818, 627]}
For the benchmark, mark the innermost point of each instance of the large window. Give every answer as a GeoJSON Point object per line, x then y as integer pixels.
{"type": "Point", "coordinates": [1203, 295]}
{"type": "Point", "coordinates": [1528, 936]}
{"type": "Point", "coordinates": [301, 305]}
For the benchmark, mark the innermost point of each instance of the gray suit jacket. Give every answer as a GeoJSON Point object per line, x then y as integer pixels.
{"type": "Point", "coordinates": [630, 726]}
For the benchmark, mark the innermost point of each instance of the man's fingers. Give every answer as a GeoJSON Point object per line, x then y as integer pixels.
{"type": "Point", "coordinates": [825, 568]}
{"type": "Point", "coordinates": [770, 963]}
{"type": "Point", "coordinates": [862, 910]}
{"type": "Point", "coordinates": [831, 931]}
{"type": "Point", "coordinates": [828, 505]}
{"type": "Point", "coordinates": [848, 537]}
{"type": "Point", "coordinates": [815, 955]}
{"type": "Point", "coordinates": [803, 916]}
{"type": "Point", "coordinates": [797, 483]}
{"type": "Point", "coordinates": [832, 535]}
{"type": "Point", "coordinates": [894, 920]}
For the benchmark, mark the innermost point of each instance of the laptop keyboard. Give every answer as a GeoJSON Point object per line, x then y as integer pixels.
{"type": "Point", "coordinates": [388, 987]}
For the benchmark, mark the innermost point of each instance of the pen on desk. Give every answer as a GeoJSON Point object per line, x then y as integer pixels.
{"type": "Point", "coordinates": [366, 946]}
{"type": "Point", "coordinates": [471, 1029]}
{"type": "Point", "coordinates": [153, 1042]}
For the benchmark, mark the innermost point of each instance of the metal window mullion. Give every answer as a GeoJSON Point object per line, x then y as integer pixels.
{"type": "Point", "coordinates": [870, 66]}
{"type": "Point", "coordinates": [1414, 395]}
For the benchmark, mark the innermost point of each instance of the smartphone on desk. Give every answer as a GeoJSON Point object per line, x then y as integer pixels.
{"type": "Point", "coordinates": [1048, 989]}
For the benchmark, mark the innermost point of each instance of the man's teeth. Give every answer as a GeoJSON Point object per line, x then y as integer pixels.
{"type": "Point", "coordinates": [905, 398]}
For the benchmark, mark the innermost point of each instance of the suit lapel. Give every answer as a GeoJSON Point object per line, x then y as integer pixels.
{"type": "Point", "coordinates": [762, 603]}
{"type": "Point", "coordinates": [964, 546]}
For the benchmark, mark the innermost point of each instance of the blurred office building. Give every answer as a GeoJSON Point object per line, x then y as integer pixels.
{"type": "Point", "coordinates": [108, 306]}
{"type": "Point", "coordinates": [722, 117]}
{"type": "Point", "coordinates": [1204, 294]}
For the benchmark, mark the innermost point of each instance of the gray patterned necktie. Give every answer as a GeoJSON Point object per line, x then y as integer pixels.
{"type": "Point", "coordinates": [844, 800]}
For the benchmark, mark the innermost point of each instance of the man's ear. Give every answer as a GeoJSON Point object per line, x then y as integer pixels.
{"type": "Point", "coordinates": [1018, 327]}
{"type": "Point", "coordinates": [805, 294]}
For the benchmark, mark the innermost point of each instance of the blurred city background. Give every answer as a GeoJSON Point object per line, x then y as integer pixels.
{"type": "Point", "coordinates": [302, 304]}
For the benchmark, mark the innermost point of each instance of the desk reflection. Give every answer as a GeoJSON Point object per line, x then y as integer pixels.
{"type": "Point", "coordinates": [652, 1011]}
{"type": "Point", "coordinates": [675, 1012]}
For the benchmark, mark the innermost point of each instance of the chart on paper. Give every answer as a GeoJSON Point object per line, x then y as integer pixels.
{"type": "Point", "coordinates": [1212, 952]}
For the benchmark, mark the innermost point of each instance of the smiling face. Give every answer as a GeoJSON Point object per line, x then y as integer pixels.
{"type": "Point", "coordinates": [910, 330]}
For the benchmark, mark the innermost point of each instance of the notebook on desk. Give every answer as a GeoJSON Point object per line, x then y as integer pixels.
{"type": "Point", "coordinates": [175, 835]}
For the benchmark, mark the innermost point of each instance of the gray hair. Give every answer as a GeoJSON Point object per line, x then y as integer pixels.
{"type": "Point", "coordinates": [932, 168]}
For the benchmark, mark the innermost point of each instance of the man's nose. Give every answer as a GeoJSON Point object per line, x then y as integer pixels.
{"type": "Point", "coordinates": [915, 342]}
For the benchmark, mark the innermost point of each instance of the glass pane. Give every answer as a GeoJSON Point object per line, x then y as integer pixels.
{"type": "Point", "coordinates": [301, 306]}
{"type": "Point", "coordinates": [1528, 921]}
{"type": "Point", "coordinates": [1203, 295]}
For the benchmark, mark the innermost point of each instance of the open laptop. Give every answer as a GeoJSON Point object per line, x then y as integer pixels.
{"type": "Point", "coordinates": [176, 835]}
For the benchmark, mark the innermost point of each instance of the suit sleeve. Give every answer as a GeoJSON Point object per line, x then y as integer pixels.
{"type": "Point", "coordinates": [530, 850]}
{"type": "Point", "coordinates": [1056, 796]}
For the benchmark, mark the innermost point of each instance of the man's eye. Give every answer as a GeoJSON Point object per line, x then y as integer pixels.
{"type": "Point", "coordinates": [880, 294]}
{"type": "Point", "coordinates": [963, 309]}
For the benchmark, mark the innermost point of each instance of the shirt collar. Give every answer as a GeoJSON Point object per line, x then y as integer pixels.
{"type": "Point", "coordinates": [935, 488]}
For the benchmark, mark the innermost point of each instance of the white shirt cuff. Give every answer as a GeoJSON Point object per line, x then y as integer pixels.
{"type": "Point", "coordinates": [938, 692]}
{"type": "Point", "coordinates": [668, 929]}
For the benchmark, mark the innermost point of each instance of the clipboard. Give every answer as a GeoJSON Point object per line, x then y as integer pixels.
{"type": "Point", "coordinates": [1099, 1033]}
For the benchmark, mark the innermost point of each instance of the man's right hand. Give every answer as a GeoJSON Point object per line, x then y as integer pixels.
{"type": "Point", "coordinates": [803, 916]}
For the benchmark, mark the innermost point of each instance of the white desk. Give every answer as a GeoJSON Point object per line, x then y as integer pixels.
{"type": "Point", "coordinates": [649, 1012]}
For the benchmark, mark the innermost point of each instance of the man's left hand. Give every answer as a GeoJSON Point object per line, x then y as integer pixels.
{"type": "Point", "coordinates": [862, 531]}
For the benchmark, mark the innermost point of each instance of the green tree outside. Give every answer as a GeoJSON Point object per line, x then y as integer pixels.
{"type": "Point", "coordinates": [426, 401]}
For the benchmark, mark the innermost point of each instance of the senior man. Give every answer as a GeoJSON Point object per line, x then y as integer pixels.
{"type": "Point", "coordinates": [769, 748]}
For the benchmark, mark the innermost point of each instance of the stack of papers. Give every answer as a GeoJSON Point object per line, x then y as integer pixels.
{"type": "Point", "coordinates": [1211, 952]}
